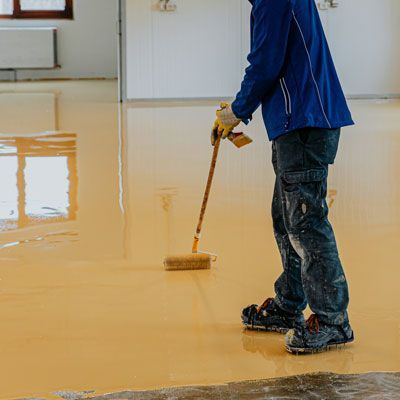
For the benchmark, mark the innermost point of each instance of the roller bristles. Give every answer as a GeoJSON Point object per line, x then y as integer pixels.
{"type": "Point", "coordinates": [187, 262]}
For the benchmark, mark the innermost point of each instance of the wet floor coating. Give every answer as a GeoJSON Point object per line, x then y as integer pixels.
{"type": "Point", "coordinates": [92, 198]}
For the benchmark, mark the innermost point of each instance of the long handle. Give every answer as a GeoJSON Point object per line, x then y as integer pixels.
{"type": "Point", "coordinates": [206, 194]}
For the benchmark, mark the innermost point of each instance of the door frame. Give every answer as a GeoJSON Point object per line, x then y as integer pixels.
{"type": "Point", "coordinates": [121, 31]}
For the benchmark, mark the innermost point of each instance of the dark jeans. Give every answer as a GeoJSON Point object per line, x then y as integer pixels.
{"type": "Point", "coordinates": [312, 271]}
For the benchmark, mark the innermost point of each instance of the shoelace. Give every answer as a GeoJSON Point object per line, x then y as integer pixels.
{"type": "Point", "coordinates": [264, 305]}
{"type": "Point", "coordinates": [256, 311]}
{"type": "Point", "coordinates": [313, 323]}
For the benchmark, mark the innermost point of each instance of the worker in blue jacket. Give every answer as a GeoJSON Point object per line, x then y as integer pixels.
{"type": "Point", "coordinates": [293, 77]}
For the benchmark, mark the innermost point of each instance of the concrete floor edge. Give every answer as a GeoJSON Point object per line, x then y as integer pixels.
{"type": "Point", "coordinates": [320, 385]}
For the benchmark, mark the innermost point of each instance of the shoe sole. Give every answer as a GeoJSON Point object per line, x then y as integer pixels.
{"type": "Point", "coordinates": [332, 346]}
{"type": "Point", "coordinates": [265, 329]}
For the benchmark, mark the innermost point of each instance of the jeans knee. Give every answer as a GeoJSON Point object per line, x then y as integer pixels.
{"type": "Point", "coordinates": [297, 246]}
{"type": "Point", "coordinates": [304, 199]}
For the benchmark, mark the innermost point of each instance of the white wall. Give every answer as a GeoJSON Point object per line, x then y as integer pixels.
{"type": "Point", "coordinates": [87, 45]}
{"type": "Point", "coordinates": [193, 52]}
{"type": "Point", "coordinates": [200, 50]}
{"type": "Point", "coordinates": [365, 40]}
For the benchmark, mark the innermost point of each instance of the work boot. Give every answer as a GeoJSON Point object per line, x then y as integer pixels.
{"type": "Point", "coordinates": [316, 336]}
{"type": "Point", "coordinates": [269, 317]}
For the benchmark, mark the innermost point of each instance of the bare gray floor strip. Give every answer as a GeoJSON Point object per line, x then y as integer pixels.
{"type": "Point", "coordinates": [371, 386]}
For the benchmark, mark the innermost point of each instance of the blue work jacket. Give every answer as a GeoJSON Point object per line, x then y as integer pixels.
{"type": "Point", "coordinates": [291, 72]}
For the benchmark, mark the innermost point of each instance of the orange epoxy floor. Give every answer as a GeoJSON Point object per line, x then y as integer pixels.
{"type": "Point", "coordinates": [91, 203]}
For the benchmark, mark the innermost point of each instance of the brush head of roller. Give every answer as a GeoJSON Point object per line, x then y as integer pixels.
{"type": "Point", "coordinates": [188, 262]}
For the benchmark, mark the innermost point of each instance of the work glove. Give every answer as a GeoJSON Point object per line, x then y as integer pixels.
{"type": "Point", "coordinates": [214, 133]}
{"type": "Point", "coordinates": [225, 123]}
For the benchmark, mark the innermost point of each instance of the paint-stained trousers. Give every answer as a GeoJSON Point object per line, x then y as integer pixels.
{"type": "Point", "coordinates": [312, 271]}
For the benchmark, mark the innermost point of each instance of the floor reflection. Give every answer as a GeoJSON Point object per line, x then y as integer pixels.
{"type": "Point", "coordinates": [59, 173]}
{"type": "Point", "coordinates": [39, 180]}
{"type": "Point", "coordinates": [25, 111]}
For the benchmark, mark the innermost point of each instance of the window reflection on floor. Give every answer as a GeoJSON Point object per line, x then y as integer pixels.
{"type": "Point", "coordinates": [46, 187]}
{"type": "Point", "coordinates": [9, 195]}
{"type": "Point", "coordinates": [39, 180]}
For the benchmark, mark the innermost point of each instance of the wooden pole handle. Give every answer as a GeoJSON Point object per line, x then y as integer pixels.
{"type": "Point", "coordinates": [207, 192]}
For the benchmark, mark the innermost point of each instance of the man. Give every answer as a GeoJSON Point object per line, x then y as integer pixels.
{"type": "Point", "coordinates": [292, 75]}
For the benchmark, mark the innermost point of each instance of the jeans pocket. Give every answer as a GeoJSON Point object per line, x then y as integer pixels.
{"type": "Point", "coordinates": [303, 197]}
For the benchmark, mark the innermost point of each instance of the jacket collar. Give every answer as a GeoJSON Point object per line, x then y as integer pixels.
{"type": "Point", "coordinates": [252, 2]}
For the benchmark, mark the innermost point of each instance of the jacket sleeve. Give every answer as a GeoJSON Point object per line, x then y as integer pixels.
{"type": "Point", "coordinates": [271, 25]}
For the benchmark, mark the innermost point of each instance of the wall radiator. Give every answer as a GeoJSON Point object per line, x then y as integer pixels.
{"type": "Point", "coordinates": [28, 48]}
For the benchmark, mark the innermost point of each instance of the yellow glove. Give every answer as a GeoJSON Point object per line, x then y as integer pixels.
{"type": "Point", "coordinates": [226, 120]}
{"type": "Point", "coordinates": [214, 133]}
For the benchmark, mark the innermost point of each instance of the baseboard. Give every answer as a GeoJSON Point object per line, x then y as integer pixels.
{"type": "Point", "coordinates": [387, 96]}
{"type": "Point", "coordinates": [176, 102]}
{"type": "Point", "coordinates": [213, 99]}
{"type": "Point", "coordinates": [63, 79]}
